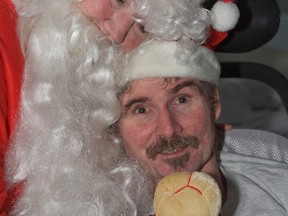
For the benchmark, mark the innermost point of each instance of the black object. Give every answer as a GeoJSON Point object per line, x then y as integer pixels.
{"type": "Point", "coordinates": [259, 22]}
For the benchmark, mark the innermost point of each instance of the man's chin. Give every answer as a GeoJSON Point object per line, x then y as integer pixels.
{"type": "Point", "coordinates": [161, 173]}
{"type": "Point", "coordinates": [167, 168]}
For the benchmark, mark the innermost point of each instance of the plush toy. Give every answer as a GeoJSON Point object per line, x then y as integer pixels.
{"type": "Point", "coordinates": [187, 194]}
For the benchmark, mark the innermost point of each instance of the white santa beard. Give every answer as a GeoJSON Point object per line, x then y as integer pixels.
{"type": "Point", "coordinates": [68, 100]}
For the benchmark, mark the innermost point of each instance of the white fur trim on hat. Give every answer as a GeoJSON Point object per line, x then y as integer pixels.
{"type": "Point", "coordinates": [157, 59]}
{"type": "Point", "coordinates": [225, 16]}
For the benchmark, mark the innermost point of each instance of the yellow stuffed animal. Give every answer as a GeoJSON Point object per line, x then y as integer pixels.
{"type": "Point", "coordinates": [187, 194]}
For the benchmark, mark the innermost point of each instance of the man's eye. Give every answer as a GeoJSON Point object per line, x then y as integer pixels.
{"type": "Point", "coordinates": [121, 1]}
{"type": "Point", "coordinates": [118, 3]}
{"type": "Point", "coordinates": [182, 99]}
{"type": "Point", "coordinates": [141, 110]}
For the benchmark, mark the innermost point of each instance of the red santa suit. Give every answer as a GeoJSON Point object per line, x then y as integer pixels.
{"type": "Point", "coordinates": [11, 69]}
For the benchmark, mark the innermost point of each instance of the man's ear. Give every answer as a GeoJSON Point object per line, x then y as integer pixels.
{"type": "Point", "coordinates": [217, 104]}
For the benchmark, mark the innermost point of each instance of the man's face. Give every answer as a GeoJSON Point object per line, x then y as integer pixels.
{"type": "Point", "coordinates": [168, 126]}
{"type": "Point", "coordinates": [114, 18]}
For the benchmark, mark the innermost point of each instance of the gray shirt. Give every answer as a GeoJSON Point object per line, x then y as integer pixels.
{"type": "Point", "coordinates": [254, 186]}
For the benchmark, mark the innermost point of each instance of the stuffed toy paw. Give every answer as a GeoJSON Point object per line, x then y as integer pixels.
{"type": "Point", "coordinates": [187, 194]}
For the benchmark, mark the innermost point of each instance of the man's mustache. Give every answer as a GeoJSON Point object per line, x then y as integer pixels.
{"type": "Point", "coordinates": [165, 145]}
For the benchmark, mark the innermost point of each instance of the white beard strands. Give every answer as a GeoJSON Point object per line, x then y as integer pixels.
{"type": "Point", "coordinates": [172, 19]}
{"type": "Point", "coordinates": [59, 148]}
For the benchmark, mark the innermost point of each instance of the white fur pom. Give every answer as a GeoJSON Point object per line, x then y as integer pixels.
{"type": "Point", "coordinates": [225, 16]}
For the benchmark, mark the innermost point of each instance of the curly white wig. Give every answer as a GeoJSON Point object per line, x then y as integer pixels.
{"type": "Point", "coordinates": [60, 150]}
{"type": "Point", "coordinates": [171, 19]}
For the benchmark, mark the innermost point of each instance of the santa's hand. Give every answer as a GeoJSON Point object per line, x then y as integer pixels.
{"type": "Point", "coordinates": [186, 194]}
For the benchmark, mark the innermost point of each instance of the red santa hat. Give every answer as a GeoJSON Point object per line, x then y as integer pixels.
{"type": "Point", "coordinates": [225, 15]}
{"type": "Point", "coordinates": [170, 59]}
{"type": "Point", "coordinates": [183, 58]}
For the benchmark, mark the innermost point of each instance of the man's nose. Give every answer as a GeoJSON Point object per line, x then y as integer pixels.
{"type": "Point", "coordinates": [121, 23]}
{"type": "Point", "coordinates": [168, 125]}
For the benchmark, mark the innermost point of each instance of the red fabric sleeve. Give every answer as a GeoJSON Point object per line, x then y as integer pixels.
{"type": "Point", "coordinates": [11, 72]}
{"type": "Point", "coordinates": [11, 67]}
{"type": "Point", "coordinates": [3, 192]}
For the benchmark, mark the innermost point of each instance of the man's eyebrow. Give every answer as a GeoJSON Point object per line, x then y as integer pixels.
{"type": "Point", "coordinates": [133, 101]}
{"type": "Point", "coordinates": [182, 85]}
